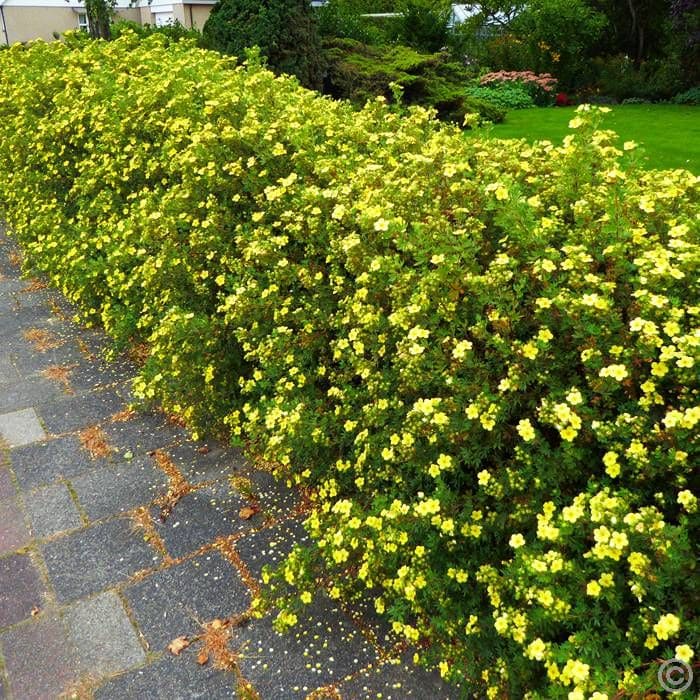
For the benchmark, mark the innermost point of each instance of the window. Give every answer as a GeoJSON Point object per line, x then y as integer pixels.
{"type": "Point", "coordinates": [83, 22]}
{"type": "Point", "coordinates": [163, 19]}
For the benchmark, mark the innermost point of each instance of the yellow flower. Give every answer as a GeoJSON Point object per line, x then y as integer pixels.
{"type": "Point", "coordinates": [461, 348]}
{"type": "Point", "coordinates": [687, 500]}
{"type": "Point", "coordinates": [530, 351]}
{"type": "Point", "coordinates": [516, 541]}
{"type": "Point", "coordinates": [381, 225]}
{"type": "Point", "coordinates": [525, 430]}
{"type": "Point", "coordinates": [574, 397]}
{"type": "Point", "coordinates": [593, 589]}
{"type": "Point", "coordinates": [606, 580]}
{"type": "Point", "coordinates": [445, 461]}
{"type": "Point", "coordinates": [684, 653]}
{"type": "Point", "coordinates": [500, 190]}
{"type": "Point", "coordinates": [568, 434]}
{"type": "Point", "coordinates": [618, 372]}
{"type": "Point", "coordinates": [536, 649]}
{"type": "Point", "coordinates": [667, 626]}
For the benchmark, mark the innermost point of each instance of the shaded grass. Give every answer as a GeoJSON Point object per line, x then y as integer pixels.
{"type": "Point", "coordinates": [669, 134]}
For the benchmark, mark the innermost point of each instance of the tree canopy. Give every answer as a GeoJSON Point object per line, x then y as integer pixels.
{"type": "Point", "coordinates": [284, 30]}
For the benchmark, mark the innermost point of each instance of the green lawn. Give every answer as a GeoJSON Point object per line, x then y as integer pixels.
{"type": "Point", "coordinates": [670, 134]}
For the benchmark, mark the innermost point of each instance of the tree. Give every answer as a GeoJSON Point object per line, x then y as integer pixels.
{"type": "Point", "coordinates": [99, 14]}
{"type": "Point", "coordinates": [284, 30]}
{"type": "Point", "coordinates": [639, 28]}
{"type": "Point", "coordinates": [560, 36]}
{"type": "Point", "coordinates": [425, 24]}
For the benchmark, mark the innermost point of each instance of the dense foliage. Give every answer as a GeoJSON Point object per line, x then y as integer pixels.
{"type": "Point", "coordinates": [421, 24]}
{"type": "Point", "coordinates": [360, 72]}
{"type": "Point", "coordinates": [174, 31]}
{"type": "Point", "coordinates": [284, 31]}
{"type": "Point", "coordinates": [480, 356]}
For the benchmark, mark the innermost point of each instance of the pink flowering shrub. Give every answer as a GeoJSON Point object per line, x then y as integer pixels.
{"type": "Point", "coordinates": [541, 86]}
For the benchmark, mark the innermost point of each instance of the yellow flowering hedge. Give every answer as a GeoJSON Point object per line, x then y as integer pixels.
{"type": "Point", "coordinates": [481, 356]}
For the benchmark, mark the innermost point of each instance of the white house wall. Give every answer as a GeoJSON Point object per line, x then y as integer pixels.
{"type": "Point", "coordinates": [25, 21]}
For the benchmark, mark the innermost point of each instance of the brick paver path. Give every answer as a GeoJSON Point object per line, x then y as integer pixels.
{"type": "Point", "coordinates": [94, 584]}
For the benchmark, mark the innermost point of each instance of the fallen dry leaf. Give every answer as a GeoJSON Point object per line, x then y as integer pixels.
{"type": "Point", "coordinates": [203, 657]}
{"type": "Point", "coordinates": [138, 353]}
{"type": "Point", "coordinates": [94, 440]}
{"type": "Point", "coordinates": [176, 419]}
{"type": "Point", "coordinates": [85, 350]}
{"type": "Point", "coordinates": [247, 512]}
{"type": "Point", "coordinates": [215, 638]}
{"type": "Point", "coordinates": [178, 486]}
{"type": "Point", "coordinates": [177, 645]}
{"type": "Point", "coordinates": [42, 340]}
{"type": "Point", "coordinates": [34, 285]}
{"type": "Point", "coordinates": [60, 374]}
{"type": "Point", "coordinates": [203, 450]}
{"type": "Point", "coordinates": [123, 416]}
{"type": "Point", "coordinates": [36, 610]}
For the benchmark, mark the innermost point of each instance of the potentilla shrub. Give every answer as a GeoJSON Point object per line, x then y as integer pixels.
{"type": "Point", "coordinates": [480, 356]}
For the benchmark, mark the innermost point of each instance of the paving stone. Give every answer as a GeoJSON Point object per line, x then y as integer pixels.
{"type": "Point", "coordinates": [67, 355]}
{"type": "Point", "coordinates": [79, 411]}
{"type": "Point", "coordinates": [14, 532]}
{"type": "Point", "coordinates": [96, 558]}
{"type": "Point", "coordinates": [96, 370]}
{"type": "Point", "coordinates": [125, 390]}
{"type": "Point", "coordinates": [275, 497]}
{"type": "Point", "coordinates": [117, 488]}
{"type": "Point", "coordinates": [9, 286]}
{"type": "Point", "coordinates": [8, 302]}
{"type": "Point", "coordinates": [65, 308]}
{"type": "Point", "coordinates": [104, 639]}
{"type": "Point", "coordinates": [94, 340]}
{"type": "Point", "coordinates": [45, 462]}
{"type": "Point", "coordinates": [7, 488]}
{"type": "Point", "coordinates": [143, 433]}
{"type": "Point", "coordinates": [13, 323]}
{"type": "Point", "coordinates": [20, 589]}
{"type": "Point", "coordinates": [270, 546]}
{"type": "Point", "coordinates": [395, 680]}
{"type": "Point", "coordinates": [13, 327]}
{"type": "Point", "coordinates": [51, 510]}
{"type": "Point", "coordinates": [6, 266]}
{"type": "Point", "coordinates": [171, 678]}
{"type": "Point", "coordinates": [175, 601]}
{"type": "Point", "coordinates": [21, 427]}
{"type": "Point", "coordinates": [37, 299]}
{"type": "Point", "coordinates": [39, 659]}
{"type": "Point", "coordinates": [202, 516]}
{"type": "Point", "coordinates": [8, 371]}
{"type": "Point", "coordinates": [206, 461]}
{"type": "Point", "coordinates": [323, 647]}
{"type": "Point", "coordinates": [365, 616]}
{"type": "Point", "coordinates": [96, 374]}
{"type": "Point", "coordinates": [29, 392]}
